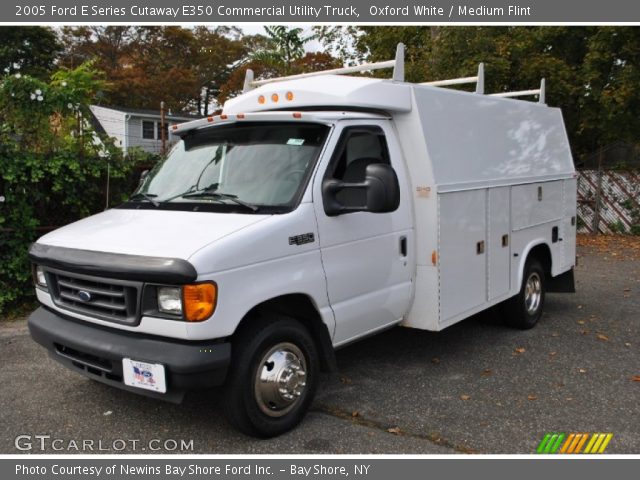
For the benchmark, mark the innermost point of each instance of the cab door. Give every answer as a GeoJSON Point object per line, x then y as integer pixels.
{"type": "Point", "coordinates": [368, 257]}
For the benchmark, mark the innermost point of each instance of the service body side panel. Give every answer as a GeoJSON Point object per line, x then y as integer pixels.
{"type": "Point", "coordinates": [498, 242]}
{"type": "Point", "coordinates": [462, 250]}
{"type": "Point", "coordinates": [569, 220]}
{"type": "Point", "coordinates": [499, 151]}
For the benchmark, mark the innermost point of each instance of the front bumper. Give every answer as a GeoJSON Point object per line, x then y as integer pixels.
{"type": "Point", "coordinates": [97, 352]}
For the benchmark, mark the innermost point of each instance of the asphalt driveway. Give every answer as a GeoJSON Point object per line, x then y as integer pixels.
{"type": "Point", "coordinates": [476, 387]}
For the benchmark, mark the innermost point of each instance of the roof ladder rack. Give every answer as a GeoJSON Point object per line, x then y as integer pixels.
{"type": "Point", "coordinates": [478, 80]}
{"type": "Point", "coordinates": [523, 93]}
{"type": "Point", "coordinates": [397, 64]}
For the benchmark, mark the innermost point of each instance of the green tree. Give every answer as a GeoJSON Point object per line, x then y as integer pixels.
{"type": "Point", "coordinates": [28, 50]}
{"type": "Point", "coordinates": [219, 51]}
{"type": "Point", "coordinates": [183, 67]}
{"type": "Point", "coordinates": [610, 101]}
{"type": "Point", "coordinates": [284, 46]}
{"type": "Point", "coordinates": [52, 166]}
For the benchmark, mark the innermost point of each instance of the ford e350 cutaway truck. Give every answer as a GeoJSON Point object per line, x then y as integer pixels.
{"type": "Point", "coordinates": [313, 211]}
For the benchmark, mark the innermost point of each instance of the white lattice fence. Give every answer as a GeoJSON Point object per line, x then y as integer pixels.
{"type": "Point", "coordinates": [608, 201]}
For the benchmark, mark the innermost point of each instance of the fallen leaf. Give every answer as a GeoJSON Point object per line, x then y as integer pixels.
{"type": "Point", "coordinates": [520, 350]}
{"type": "Point", "coordinates": [107, 413]}
{"type": "Point", "coordinates": [636, 378]}
{"type": "Point", "coordinates": [582, 370]}
{"type": "Point", "coordinates": [581, 322]}
{"type": "Point", "coordinates": [627, 344]}
{"type": "Point", "coordinates": [465, 397]}
{"type": "Point", "coordinates": [394, 430]}
{"type": "Point", "coordinates": [553, 354]}
{"type": "Point", "coordinates": [626, 289]}
{"type": "Point", "coordinates": [486, 373]}
{"type": "Point", "coordinates": [355, 414]}
{"type": "Point", "coordinates": [568, 399]}
{"type": "Point", "coordinates": [579, 307]}
{"type": "Point", "coordinates": [602, 337]}
{"type": "Point", "coordinates": [532, 397]}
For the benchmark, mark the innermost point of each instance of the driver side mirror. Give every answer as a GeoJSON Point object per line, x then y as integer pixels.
{"type": "Point", "coordinates": [381, 187]}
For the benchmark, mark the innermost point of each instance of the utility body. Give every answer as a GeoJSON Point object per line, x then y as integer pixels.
{"type": "Point", "coordinates": [315, 210]}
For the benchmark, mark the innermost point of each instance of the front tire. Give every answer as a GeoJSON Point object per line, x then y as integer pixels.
{"type": "Point", "coordinates": [525, 309]}
{"type": "Point", "coordinates": [273, 377]}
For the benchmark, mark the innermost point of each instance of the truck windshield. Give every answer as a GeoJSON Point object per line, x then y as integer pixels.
{"type": "Point", "coordinates": [253, 167]}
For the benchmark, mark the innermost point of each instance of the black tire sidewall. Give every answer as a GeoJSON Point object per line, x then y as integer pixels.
{"type": "Point", "coordinates": [252, 345]}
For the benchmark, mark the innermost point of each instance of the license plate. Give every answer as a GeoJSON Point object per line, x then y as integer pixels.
{"type": "Point", "coordinates": [149, 376]}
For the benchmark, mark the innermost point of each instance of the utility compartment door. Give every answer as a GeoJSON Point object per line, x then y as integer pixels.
{"type": "Point", "coordinates": [499, 242]}
{"type": "Point", "coordinates": [462, 252]}
{"type": "Point", "coordinates": [569, 221]}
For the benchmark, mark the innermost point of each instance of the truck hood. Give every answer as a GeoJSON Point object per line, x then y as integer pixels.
{"type": "Point", "coordinates": [157, 233]}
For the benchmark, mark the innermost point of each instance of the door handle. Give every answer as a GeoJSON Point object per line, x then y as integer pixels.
{"type": "Point", "coordinates": [403, 246]}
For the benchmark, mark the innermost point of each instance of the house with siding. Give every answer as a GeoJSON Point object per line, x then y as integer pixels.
{"type": "Point", "coordinates": [132, 127]}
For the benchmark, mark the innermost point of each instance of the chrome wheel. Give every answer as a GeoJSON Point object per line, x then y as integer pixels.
{"type": "Point", "coordinates": [280, 379]}
{"type": "Point", "coordinates": [533, 293]}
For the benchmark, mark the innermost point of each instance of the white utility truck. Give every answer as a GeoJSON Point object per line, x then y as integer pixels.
{"type": "Point", "coordinates": [315, 210]}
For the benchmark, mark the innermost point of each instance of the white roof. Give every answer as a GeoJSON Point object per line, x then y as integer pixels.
{"type": "Point", "coordinates": [325, 91]}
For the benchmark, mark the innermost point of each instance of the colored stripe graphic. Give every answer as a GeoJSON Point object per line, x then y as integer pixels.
{"type": "Point", "coordinates": [573, 443]}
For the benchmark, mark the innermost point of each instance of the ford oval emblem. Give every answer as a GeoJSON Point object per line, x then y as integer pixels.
{"type": "Point", "coordinates": [84, 296]}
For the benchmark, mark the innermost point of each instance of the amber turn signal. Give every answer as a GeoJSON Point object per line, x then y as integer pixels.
{"type": "Point", "coordinates": [199, 301]}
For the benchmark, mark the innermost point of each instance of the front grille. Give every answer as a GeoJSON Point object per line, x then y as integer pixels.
{"type": "Point", "coordinates": [106, 299]}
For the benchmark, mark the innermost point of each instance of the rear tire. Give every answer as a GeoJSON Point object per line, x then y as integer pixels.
{"type": "Point", "coordinates": [273, 377]}
{"type": "Point", "coordinates": [525, 309]}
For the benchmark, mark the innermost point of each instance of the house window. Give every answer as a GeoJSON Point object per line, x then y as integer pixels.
{"type": "Point", "coordinates": [148, 130]}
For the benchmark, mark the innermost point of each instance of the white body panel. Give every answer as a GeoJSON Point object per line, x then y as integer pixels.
{"type": "Point", "coordinates": [158, 233]}
{"type": "Point", "coordinates": [498, 247]}
{"type": "Point", "coordinates": [349, 93]}
{"type": "Point", "coordinates": [470, 169]}
{"type": "Point", "coordinates": [368, 279]}
{"type": "Point", "coordinates": [462, 268]}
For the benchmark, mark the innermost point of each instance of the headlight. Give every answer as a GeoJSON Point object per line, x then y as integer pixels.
{"type": "Point", "coordinates": [170, 300]}
{"type": "Point", "coordinates": [195, 302]}
{"type": "Point", "coordinates": [39, 277]}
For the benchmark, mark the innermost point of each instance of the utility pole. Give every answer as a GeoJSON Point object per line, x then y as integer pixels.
{"type": "Point", "coordinates": [163, 137]}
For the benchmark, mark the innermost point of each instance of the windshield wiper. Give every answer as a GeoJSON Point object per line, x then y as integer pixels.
{"type": "Point", "coordinates": [225, 196]}
{"type": "Point", "coordinates": [145, 196]}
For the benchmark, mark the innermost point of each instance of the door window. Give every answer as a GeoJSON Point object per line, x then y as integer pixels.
{"type": "Point", "coordinates": [358, 148]}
